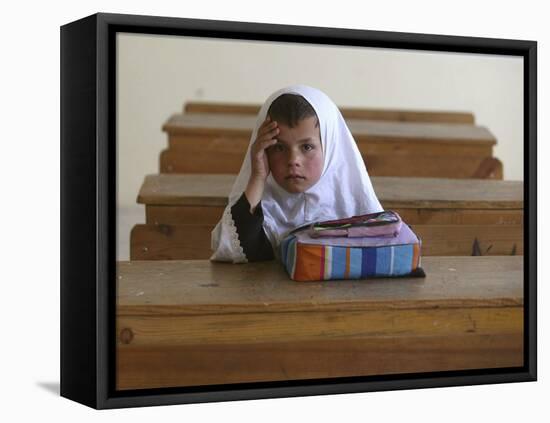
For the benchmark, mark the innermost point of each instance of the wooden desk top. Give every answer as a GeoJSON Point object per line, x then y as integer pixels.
{"type": "Point", "coordinates": [402, 115]}
{"type": "Point", "coordinates": [393, 192]}
{"type": "Point", "coordinates": [217, 124]}
{"type": "Point", "coordinates": [203, 287]}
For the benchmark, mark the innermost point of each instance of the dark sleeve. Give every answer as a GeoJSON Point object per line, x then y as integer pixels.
{"type": "Point", "coordinates": [253, 239]}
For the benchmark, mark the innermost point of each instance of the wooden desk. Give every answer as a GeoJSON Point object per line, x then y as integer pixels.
{"type": "Point", "coordinates": [192, 241]}
{"type": "Point", "coordinates": [397, 115]}
{"type": "Point", "coordinates": [449, 215]}
{"type": "Point", "coordinates": [201, 198]}
{"type": "Point", "coordinates": [185, 323]}
{"type": "Point", "coordinates": [217, 143]}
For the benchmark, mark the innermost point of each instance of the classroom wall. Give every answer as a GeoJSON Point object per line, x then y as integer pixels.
{"type": "Point", "coordinates": [158, 74]}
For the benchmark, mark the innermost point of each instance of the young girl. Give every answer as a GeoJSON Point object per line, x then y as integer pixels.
{"type": "Point", "coordinates": [302, 166]}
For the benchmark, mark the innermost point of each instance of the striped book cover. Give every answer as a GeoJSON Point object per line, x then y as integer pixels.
{"type": "Point", "coordinates": [311, 259]}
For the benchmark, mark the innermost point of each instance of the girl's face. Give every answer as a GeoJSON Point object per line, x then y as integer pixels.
{"type": "Point", "coordinates": [296, 161]}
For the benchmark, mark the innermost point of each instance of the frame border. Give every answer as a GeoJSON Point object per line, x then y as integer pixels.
{"type": "Point", "coordinates": [88, 207]}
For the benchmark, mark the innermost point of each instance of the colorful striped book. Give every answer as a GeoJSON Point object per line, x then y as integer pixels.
{"type": "Point", "coordinates": [306, 258]}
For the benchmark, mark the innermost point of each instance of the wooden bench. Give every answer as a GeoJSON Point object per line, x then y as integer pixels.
{"type": "Point", "coordinates": [192, 241]}
{"type": "Point", "coordinates": [396, 115]}
{"type": "Point", "coordinates": [188, 323]}
{"type": "Point", "coordinates": [453, 217]}
{"type": "Point", "coordinates": [217, 143]}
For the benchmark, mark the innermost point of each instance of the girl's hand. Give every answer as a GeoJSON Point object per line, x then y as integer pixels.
{"type": "Point", "coordinates": [258, 155]}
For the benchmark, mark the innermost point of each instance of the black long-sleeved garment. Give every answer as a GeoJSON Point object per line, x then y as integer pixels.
{"type": "Point", "coordinates": [251, 233]}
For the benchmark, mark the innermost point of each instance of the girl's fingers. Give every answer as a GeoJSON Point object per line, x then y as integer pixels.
{"type": "Point", "coordinates": [266, 127]}
{"type": "Point", "coordinates": [269, 131]}
{"type": "Point", "coordinates": [263, 145]}
{"type": "Point", "coordinates": [268, 143]}
{"type": "Point", "coordinates": [267, 138]}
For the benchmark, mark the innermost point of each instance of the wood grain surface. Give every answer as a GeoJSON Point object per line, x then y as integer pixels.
{"type": "Point", "coordinates": [189, 323]}
{"type": "Point", "coordinates": [169, 214]}
{"type": "Point", "coordinates": [192, 241]}
{"type": "Point", "coordinates": [401, 144]}
{"type": "Point", "coordinates": [202, 287]}
{"type": "Point", "coordinates": [151, 366]}
{"type": "Point", "coordinates": [393, 192]}
{"type": "Point", "coordinates": [214, 124]}
{"type": "Point", "coordinates": [348, 112]}
{"type": "Point", "coordinates": [226, 160]}
{"type": "Point", "coordinates": [448, 214]}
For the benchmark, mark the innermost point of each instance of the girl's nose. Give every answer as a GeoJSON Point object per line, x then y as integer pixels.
{"type": "Point", "coordinates": [293, 159]}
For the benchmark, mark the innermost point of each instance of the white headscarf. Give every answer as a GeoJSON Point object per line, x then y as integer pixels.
{"type": "Point", "coordinates": [343, 190]}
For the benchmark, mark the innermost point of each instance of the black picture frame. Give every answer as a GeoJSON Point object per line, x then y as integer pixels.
{"type": "Point", "coordinates": [88, 213]}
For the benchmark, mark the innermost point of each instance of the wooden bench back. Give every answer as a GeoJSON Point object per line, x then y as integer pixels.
{"type": "Point", "coordinates": [217, 143]}
{"type": "Point", "coordinates": [396, 115]}
{"type": "Point", "coordinates": [393, 192]}
{"type": "Point", "coordinates": [452, 217]}
{"type": "Point", "coordinates": [192, 241]}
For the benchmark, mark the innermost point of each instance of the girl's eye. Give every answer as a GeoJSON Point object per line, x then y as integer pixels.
{"type": "Point", "coordinates": [308, 147]}
{"type": "Point", "coordinates": [277, 148]}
